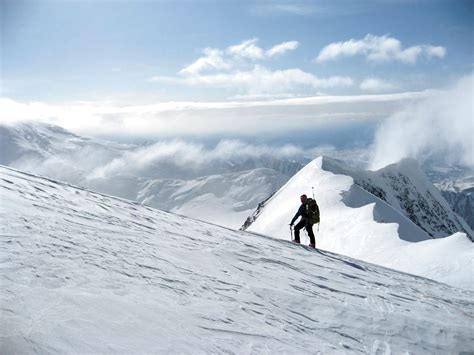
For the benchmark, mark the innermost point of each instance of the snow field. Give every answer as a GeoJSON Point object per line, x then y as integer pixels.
{"type": "Point", "coordinates": [84, 272]}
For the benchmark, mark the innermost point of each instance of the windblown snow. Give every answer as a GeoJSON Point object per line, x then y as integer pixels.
{"type": "Point", "coordinates": [366, 226]}
{"type": "Point", "coordinates": [88, 273]}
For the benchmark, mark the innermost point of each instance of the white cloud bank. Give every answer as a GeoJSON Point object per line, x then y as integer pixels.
{"type": "Point", "coordinates": [192, 159]}
{"type": "Point", "coordinates": [441, 125]}
{"type": "Point", "coordinates": [376, 85]}
{"type": "Point", "coordinates": [206, 118]}
{"type": "Point", "coordinates": [379, 49]}
{"type": "Point", "coordinates": [261, 80]}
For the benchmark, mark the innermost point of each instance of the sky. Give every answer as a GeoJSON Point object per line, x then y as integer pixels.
{"type": "Point", "coordinates": [229, 68]}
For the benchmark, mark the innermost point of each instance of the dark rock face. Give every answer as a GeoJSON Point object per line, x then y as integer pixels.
{"type": "Point", "coordinates": [462, 203]}
{"type": "Point", "coordinates": [421, 207]}
{"type": "Point", "coordinates": [250, 219]}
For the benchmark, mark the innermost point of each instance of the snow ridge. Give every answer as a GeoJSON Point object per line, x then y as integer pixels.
{"type": "Point", "coordinates": [359, 224]}
{"type": "Point", "coordinates": [404, 186]}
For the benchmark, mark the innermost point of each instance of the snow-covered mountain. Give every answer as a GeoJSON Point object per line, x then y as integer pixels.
{"type": "Point", "coordinates": [405, 187]}
{"type": "Point", "coordinates": [460, 195]}
{"type": "Point", "coordinates": [222, 188]}
{"type": "Point", "coordinates": [51, 149]}
{"type": "Point", "coordinates": [226, 199]}
{"type": "Point", "coordinates": [88, 273]}
{"type": "Point", "coordinates": [364, 215]}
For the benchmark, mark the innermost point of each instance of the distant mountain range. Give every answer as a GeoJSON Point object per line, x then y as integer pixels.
{"type": "Point", "coordinates": [221, 189]}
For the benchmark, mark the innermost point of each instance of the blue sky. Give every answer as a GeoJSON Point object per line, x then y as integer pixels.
{"type": "Point", "coordinates": [85, 58]}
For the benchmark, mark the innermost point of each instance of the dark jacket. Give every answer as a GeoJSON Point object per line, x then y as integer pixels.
{"type": "Point", "coordinates": [301, 212]}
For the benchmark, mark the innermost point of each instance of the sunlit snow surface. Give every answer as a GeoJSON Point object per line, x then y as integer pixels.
{"type": "Point", "coordinates": [87, 273]}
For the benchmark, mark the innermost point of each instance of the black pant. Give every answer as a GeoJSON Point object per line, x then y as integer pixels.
{"type": "Point", "coordinates": [309, 228]}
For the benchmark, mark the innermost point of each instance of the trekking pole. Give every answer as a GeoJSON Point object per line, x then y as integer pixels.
{"type": "Point", "coordinates": [291, 232]}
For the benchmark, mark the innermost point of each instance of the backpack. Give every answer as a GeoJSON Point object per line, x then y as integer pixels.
{"type": "Point", "coordinates": [312, 211]}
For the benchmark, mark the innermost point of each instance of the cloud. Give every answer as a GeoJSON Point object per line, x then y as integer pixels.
{"type": "Point", "coordinates": [212, 60]}
{"type": "Point", "coordinates": [187, 160]}
{"type": "Point", "coordinates": [76, 116]}
{"type": "Point", "coordinates": [376, 85]}
{"type": "Point", "coordinates": [440, 126]}
{"type": "Point", "coordinates": [209, 118]}
{"type": "Point", "coordinates": [295, 9]}
{"type": "Point", "coordinates": [215, 59]}
{"type": "Point", "coordinates": [379, 49]}
{"type": "Point", "coordinates": [284, 8]}
{"type": "Point", "coordinates": [439, 52]}
{"type": "Point", "coordinates": [246, 49]}
{"type": "Point", "coordinates": [282, 48]}
{"type": "Point", "coordinates": [261, 80]}
{"type": "Point", "coordinates": [229, 68]}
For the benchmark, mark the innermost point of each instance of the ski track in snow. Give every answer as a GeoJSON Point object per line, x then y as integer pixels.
{"type": "Point", "coordinates": [88, 273]}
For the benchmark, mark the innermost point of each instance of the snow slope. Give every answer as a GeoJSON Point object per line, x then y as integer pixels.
{"type": "Point", "coordinates": [357, 223]}
{"type": "Point", "coordinates": [88, 273]}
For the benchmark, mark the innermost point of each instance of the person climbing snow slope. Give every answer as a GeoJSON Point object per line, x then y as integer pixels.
{"type": "Point", "coordinates": [309, 213]}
